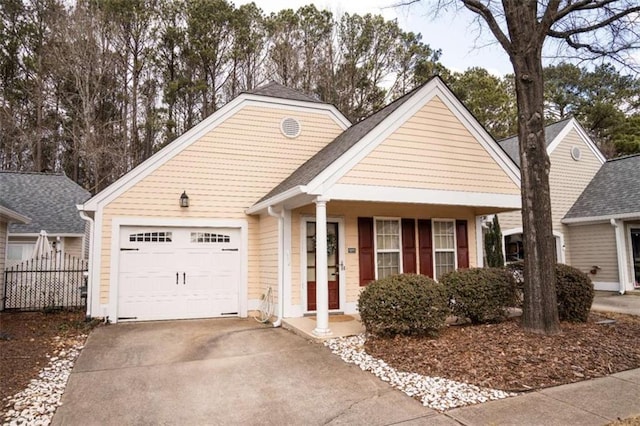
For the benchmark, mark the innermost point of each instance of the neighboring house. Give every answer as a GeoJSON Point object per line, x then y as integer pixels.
{"type": "Point", "coordinates": [574, 161]}
{"type": "Point", "coordinates": [8, 215]}
{"type": "Point", "coordinates": [49, 202]}
{"type": "Point", "coordinates": [604, 226]}
{"type": "Point", "coordinates": [275, 174]}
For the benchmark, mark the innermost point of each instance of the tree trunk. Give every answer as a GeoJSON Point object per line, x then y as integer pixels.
{"type": "Point", "coordinates": [540, 311]}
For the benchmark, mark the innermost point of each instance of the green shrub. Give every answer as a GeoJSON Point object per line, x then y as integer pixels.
{"type": "Point", "coordinates": [480, 294]}
{"type": "Point", "coordinates": [574, 291]}
{"type": "Point", "coordinates": [407, 304]}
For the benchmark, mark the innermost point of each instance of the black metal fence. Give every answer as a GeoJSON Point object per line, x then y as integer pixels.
{"type": "Point", "coordinates": [51, 281]}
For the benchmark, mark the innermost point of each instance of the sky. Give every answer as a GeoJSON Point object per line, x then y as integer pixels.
{"type": "Point", "coordinates": [462, 43]}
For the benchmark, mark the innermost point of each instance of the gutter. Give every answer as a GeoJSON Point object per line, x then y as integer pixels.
{"type": "Point", "coordinates": [89, 219]}
{"type": "Point", "coordinates": [622, 266]}
{"type": "Point", "coordinates": [280, 216]}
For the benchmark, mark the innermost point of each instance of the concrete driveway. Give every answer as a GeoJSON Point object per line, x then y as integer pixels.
{"type": "Point", "coordinates": [222, 371]}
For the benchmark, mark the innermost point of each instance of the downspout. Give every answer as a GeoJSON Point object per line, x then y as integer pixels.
{"type": "Point", "coordinates": [89, 219]}
{"type": "Point", "coordinates": [280, 217]}
{"type": "Point", "coordinates": [622, 267]}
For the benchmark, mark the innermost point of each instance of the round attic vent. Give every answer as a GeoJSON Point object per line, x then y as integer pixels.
{"type": "Point", "coordinates": [290, 127]}
{"type": "Point", "coordinates": [576, 154]}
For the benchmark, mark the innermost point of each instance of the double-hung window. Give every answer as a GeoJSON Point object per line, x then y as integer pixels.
{"type": "Point", "coordinates": [388, 247]}
{"type": "Point", "coordinates": [444, 246]}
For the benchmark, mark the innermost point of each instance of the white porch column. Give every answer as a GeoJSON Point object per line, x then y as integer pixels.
{"type": "Point", "coordinates": [618, 226]}
{"type": "Point", "coordinates": [322, 285]}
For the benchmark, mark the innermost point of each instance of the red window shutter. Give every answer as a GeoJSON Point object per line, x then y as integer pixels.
{"type": "Point", "coordinates": [425, 247]}
{"type": "Point", "coordinates": [409, 246]}
{"type": "Point", "coordinates": [462, 244]}
{"type": "Point", "coordinates": [365, 246]}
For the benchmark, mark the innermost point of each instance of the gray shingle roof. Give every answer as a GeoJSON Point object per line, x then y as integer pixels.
{"type": "Point", "coordinates": [510, 145]}
{"type": "Point", "coordinates": [276, 90]}
{"type": "Point", "coordinates": [48, 199]}
{"type": "Point", "coordinates": [614, 190]}
{"type": "Point", "coordinates": [341, 144]}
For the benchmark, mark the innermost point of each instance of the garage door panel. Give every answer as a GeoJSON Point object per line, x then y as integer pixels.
{"type": "Point", "coordinates": [193, 274]}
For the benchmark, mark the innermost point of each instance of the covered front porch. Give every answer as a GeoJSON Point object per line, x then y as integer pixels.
{"type": "Point", "coordinates": [331, 249]}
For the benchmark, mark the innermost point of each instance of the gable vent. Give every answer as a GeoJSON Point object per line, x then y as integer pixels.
{"type": "Point", "coordinates": [290, 127]}
{"type": "Point", "coordinates": [576, 154]}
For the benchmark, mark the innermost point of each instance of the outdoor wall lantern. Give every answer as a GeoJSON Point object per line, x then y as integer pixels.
{"type": "Point", "coordinates": [184, 199]}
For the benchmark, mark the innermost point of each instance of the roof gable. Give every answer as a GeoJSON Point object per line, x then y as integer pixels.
{"type": "Point", "coordinates": [553, 135]}
{"type": "Point", "coordinates": [614, 191]}
{"type": "Point", "coordinates": [49, 200]}
{"type": "Point", "coordinates": [342, 154]}
{"type": "Point", "coordinates": [432, 149]}
{"type": "Point", "coordinates": [271, 95]}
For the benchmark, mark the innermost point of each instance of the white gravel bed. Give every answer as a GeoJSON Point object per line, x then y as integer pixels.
{"type": "Point", "coordinates": [37, 404]}
{"type": "Point", "coordinates": [434, 392]}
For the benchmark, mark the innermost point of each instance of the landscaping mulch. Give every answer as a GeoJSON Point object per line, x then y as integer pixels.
{"type": "Point", "coordinates": [26, 338]}
{"type": "Point", "coordinates": [501, 356]}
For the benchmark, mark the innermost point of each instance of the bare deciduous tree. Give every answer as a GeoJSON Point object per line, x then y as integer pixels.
{"type": "Point", "coordinates": [590, 29]}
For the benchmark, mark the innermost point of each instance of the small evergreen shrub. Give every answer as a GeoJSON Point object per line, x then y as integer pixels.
{"type": "Point", "coordinates": [480, 294]}
{"type": "Point", "coordinates": [406, 304]}
{"type": "Point", "coordinates": [574, 291]}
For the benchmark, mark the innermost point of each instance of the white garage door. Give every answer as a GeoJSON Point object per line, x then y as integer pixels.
{"type": "Point", "coordinates": [174, 273]}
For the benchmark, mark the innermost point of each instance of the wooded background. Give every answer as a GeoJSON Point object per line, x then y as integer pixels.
{"type": "Point", "coordinates": [93, 88]}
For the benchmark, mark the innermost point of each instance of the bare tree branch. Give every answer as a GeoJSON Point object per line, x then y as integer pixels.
{"type": "Point", "coordinates": [477, 7]}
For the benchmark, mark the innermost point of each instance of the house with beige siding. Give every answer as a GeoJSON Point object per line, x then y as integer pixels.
{"type": "Point", "coordinates": [279, 190]}
{"type": "Point", "coordinates": [49, 201]}
{"type": "Point", "coordinates": [574, 161]}
{"type": "Point", "coordinates": [604, 226]}
{"type": "Point", "coordinates": [8, 215]}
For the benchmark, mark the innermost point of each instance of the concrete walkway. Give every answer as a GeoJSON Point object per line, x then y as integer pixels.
{"type": "Point", "coordinates": [614, 302]}
{"type": "Point", "coordinates": [592, 402]}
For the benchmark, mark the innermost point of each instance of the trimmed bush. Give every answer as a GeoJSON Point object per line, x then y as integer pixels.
{"type": "Point", "coordinates": [574, 291]}
{"type": "Point", "coordinates": [480, 294]}
{"type": "Point", "coordinates": [407, 304]}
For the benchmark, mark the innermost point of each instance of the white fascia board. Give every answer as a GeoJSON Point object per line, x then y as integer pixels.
{"type": "Point", "coordinates": [194, 134]}
{"type": "Point", "coordinates": [588, 220]}
{"type": "Point", "coordinates": [49, 234]}
{"type": "Point", "coordinates": [13, 216]}
{"type": "Point", "coordinates": [349, 192]}
{"type": "Point", "coordinates": [573, 124]}
{"type": "Point", "coordinates": [369, 142]}
{"type": "Point", "coordinates": [276, 199]}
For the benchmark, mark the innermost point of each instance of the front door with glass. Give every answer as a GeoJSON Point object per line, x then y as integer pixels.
{"type": "Point", "coordinates": [635, 247]}
{"type": "Point", "coordinates": [333, 265]}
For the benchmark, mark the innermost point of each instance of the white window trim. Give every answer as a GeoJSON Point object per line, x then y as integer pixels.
{"type": "Point", "coordinates": [435, 250]}
{"type": "Point", "coordinates": [375, 243]}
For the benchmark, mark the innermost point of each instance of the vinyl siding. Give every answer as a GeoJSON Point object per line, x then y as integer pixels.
{"type": "Point", "coordinates": [349, 213]}
{"type": "Point", "coordinates": [73, 247]}
{"type": "Point", "coordinates": [567, 180]}
{"type": "Point", "coordinates": [595, 245]}
{"type": "Point", "coordinates": [224, 173]}
{"type": "Point", "coordinates": [432, 150]}
{"type": "Point", "coordinates": [268, 249]}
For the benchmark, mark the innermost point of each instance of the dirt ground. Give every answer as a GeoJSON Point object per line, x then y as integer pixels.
{"type": "Point", "coordinates": [502, 356]}
{"type": "Point", "coordinates": [26, 338]}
